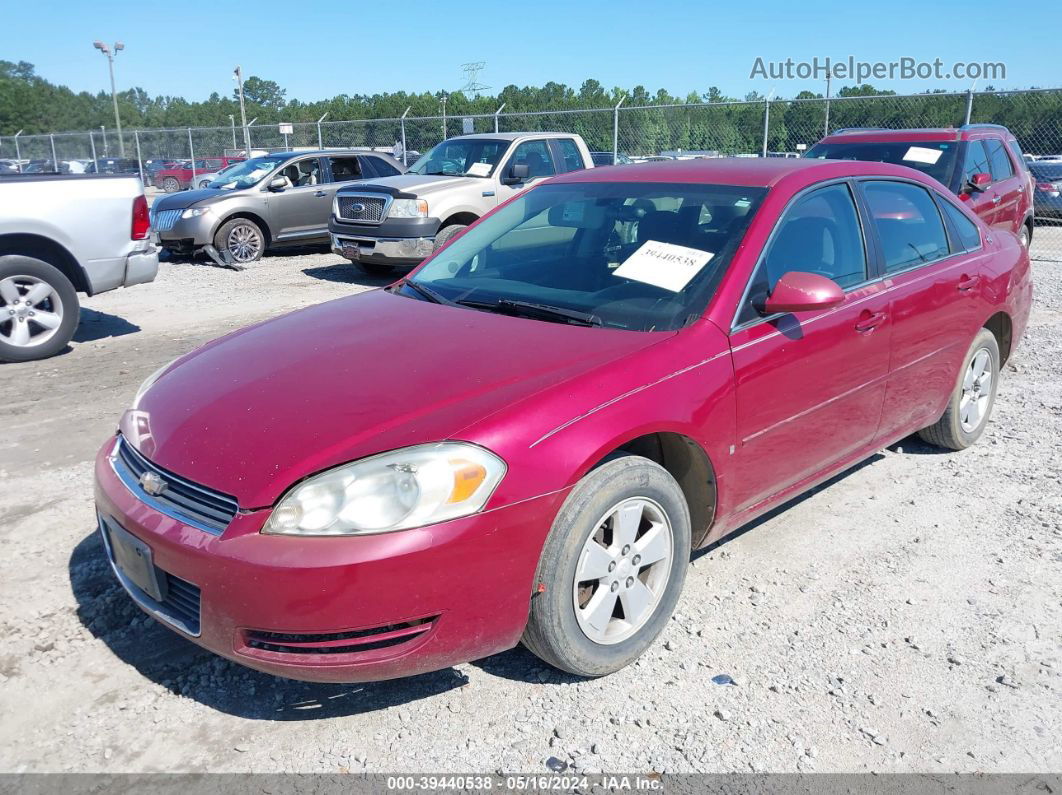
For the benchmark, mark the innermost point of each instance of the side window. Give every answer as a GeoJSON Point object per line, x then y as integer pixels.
{"type": "Point", "coordinates": [1018, 156]}
{"type": "Point", "coordinates": [303, 173]}
{"type": "Point", "coordinates": [214, 164]}
{"type": "Point", "coordinates": [997, 158]}
{"type": "Point", "coordinates": [382, 167]}
{"type": "Point", "coordinates": [536, 156]}
{"type": "Point", "coordinates": [571, 159]}
{"type": "Point", "coordinates": [969, 236]}
{"type": "Point", "coordinates": [345, 169]}
{"type": "Point", "coordinates": [908, 223]}
{"type": "Point", "coordinates": [819, 233]}
{"type": "Point", "coordinates": [976, 161]}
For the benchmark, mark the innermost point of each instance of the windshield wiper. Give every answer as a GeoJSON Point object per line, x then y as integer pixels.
{"type": "Point", "coordinates": [537, 311]}
{"type": "Point", "coordinates": [427, 292]}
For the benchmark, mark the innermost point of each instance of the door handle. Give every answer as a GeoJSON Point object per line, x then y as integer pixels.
{"type": "Point", "coordinates": [868, 321]}
{"type": "Point", "coordinates": [320, 193]}
{"type": "Point", "coordinates": [997, 200]}
{"type": "Point", "coordinates": [968, 282]}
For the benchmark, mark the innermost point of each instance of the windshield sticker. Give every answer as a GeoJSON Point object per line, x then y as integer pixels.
{"type": "Point", "coordinates": [478, 170]}
{"type": "Point", "coordinates": [573, 212]}
{"type": "Point", "coordinates": [919, 154]}
{"type": "Point", "coordinates": [664, 265]}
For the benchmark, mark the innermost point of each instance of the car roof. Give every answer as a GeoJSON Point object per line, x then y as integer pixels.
{"type": "Point", "coordinates": [762, 172]}
{"type": "Point", "coordinates": [927, 134]}
{"type": "Point", "coordinates": [512, 136]}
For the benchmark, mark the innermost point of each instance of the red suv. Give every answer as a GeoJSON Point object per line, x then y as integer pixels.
{"type": "Point", "coordinates": [172, 180]}
{"type": "Point", "coordinates": [526, 437]}
{"type": "Point", "coordinates": [982, 163]}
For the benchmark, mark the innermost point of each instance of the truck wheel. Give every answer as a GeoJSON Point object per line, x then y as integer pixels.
{"type": "Point", "coordinates": [38, 309]}
{"type": "Point", "coordinates": [240, 241]}
{"type": "Point", "coordinates": [446, 234]}
{"type": "Point", "coordinates": [375, 269]}
{"type": "Point", "coordinates": [171, 185]}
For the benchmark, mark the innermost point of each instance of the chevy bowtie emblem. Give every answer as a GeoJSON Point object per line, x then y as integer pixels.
{"type": "Point", "coordinates": [152, 484]}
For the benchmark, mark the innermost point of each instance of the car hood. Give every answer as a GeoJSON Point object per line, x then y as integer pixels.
{"type": "Point", "coordinates": [188, 198]}
{"type": "Point", "coordinates": [419, 185]}
{"type": "Point", "coordinates": [254, 412]}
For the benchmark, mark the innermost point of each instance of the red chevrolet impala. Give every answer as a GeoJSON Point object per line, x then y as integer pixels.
{"type": "Point", "coordinates": [525, 438]}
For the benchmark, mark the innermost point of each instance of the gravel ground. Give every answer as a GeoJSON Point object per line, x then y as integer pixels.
{"type": "Point", "coordinates": [904, 617]}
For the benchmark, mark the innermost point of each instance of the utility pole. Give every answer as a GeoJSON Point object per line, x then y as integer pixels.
{"type": "Point", "coordinates": [232, 121]}
{"type": "Point", "coordinates": [826, 124]}
{"type": "Point", "coordinates": [444, 97]}
{"type": "Point", "coordinates": [237, 75]}
{"type": "Point", "coordinates": [118, 46]}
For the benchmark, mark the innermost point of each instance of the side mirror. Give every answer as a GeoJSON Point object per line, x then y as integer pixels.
{"type": "Point", "coordinates": [277, 184]}
{"type": "Point", "coordinates": [518, 172]}
{"type": "Point", "coordinates": [798, 291]}
{"type": "Point", "coordinates": [980, 181]}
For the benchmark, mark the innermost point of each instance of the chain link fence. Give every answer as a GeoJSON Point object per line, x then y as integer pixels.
{"type": "Point", "coordinates": [769, 127]}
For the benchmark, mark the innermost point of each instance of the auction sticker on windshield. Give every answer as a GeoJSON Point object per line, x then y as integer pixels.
{"type": "Point", "coordinates": [664, 265]}
{"type": "Point", "coordinates": [479, 169]}
{"type": "Point", "coordinates": [920, 154]}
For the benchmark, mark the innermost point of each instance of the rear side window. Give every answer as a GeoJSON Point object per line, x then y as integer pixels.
{"type": "Point", "coordinates": [976, 161]}
{"type": "Point", "coordinates": [966, 230]}
{"type": "Point", "coordinates": [382, 167]}
{"type": "Point", "coordinates": [1018, 156]}
{"type": "Point", "coordinates": [820, 233]}
{"type": "Point", "coordinates": [997, 158]}
{"type": "Point", "coordinates": [571, 160]}
{"type": "Point", "coordinates": [908, 223]}
{"type": "Point", "coordinates": [345, 169]}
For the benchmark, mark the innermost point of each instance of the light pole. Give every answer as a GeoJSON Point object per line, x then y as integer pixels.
{"type": "Point", "coordinates": [237, 75]}
{"type": "Point", "coordinates": [232, 121]}
{"type": "Point", "coordinates": [99, 45]}
{"type": "Point", "coordinates": [445, 96]}
{"type": "Point", "coordinates": [826, 125]}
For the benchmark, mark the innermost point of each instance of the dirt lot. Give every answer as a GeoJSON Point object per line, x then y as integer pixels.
{"type": "Point", "coordinates": [905, 617]}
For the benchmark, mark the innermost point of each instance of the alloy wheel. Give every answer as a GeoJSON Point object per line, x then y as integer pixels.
{"type": "Point", "coordinates": [623, 570]}
{"type": "Point", "coordinates": [30, 311]}
{"type": "Point", "coordinates": [976, 391]}
{"type": "Point", "coordinates": [244, 243]}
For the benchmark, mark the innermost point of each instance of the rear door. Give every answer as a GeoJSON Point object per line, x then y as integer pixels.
{"type": "Point", "coordinates": [1009, 183]}
{"type": "Point", "coordinates": [932, 275]}
{"type": "Point", "coordinates": [809, 385]}
{"type": "Point", "coordinates": [982, 202]}
{"type": "Point", "coordinates": [301, 210]}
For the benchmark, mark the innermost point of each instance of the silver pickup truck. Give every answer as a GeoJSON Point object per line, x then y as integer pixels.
{"type": "Point", "coordinates": [61, 235]}
{"type": "Point", "coordinates": [398, 221]}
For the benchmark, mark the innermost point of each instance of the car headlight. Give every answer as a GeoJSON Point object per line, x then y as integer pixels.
{"type": "Point", "coordinates": [408, 208]}
{"type": "Point", "coordinates": [405, 488]}
{"type": "Point", "coordinates": [194, 212]}
{"type": "Point", "coordinates": [150, 382]}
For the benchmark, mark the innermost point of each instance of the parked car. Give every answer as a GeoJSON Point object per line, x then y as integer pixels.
{"type": "Point", "coordinates": [182, 176]}
{"type": "Point", "coordinates": [399, 221]}
{"type": "Point", "coordinates": [204, 180]}
{"type": "Point", "coordinates": [265, 202]}
{"type": "Point", "coordinates": [982, 163]}
{"type": "Point", "coordinates": [606, 159]}
{"type": "Point", "coordinates": [60, 236]}
{"type": "Point", "coordinates": [113, 165]}
{"type": "Point", "coordinates": [1047, 197]}
{"type": "Point", "coordinates": [153, 167]}
{"type": "Point", "coordinates": [526, 437]}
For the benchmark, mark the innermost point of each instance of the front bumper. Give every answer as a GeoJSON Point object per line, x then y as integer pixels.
{"type": "Point", "coordinates": [395, 241]}
{"type": "Point", "coordinates": [189, 233]}
{"type": "Point", "coordinates": [343, 609]}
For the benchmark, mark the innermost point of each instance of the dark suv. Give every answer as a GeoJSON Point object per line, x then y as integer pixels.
{"type": "Point", "coordinates": [982, 163]}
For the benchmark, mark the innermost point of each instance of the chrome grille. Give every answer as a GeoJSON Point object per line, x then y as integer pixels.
{"type": "Point", "coordinates": [163, 220]}
{"type": "Point", "coordinates": [188, 502]}
{"type": "Point", "coordinates": [370, 209]}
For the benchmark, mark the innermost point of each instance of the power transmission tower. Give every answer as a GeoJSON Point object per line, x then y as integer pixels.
{"type": "Point", "coordinates": [472, 84]}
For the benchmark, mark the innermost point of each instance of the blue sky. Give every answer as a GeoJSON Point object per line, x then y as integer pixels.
{"type": "Point", "coordinates": [317, 50]}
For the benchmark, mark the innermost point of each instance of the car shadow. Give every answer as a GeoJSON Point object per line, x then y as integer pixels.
{"type": "Point", "coordinates": [913, 445]}
{"type": "Point", "coordinates": [785, 506]}
{"type": "Point", "coordinates": [345, 273]}
{"type": "Point", "coordinates": [96, 325]}
{"type": "Point", "coordinates": [185, 669]}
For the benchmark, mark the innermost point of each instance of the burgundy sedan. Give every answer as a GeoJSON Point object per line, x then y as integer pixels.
{"type": "Point", "coordinates": [525, 438]}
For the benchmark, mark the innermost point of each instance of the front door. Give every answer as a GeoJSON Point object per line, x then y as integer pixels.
{"type": "Point", "coordinates": [537, 156]}
{"type": "Point", "coordinates": [301, 210]}
{"type": "Point", "coordinates": [809, 385]}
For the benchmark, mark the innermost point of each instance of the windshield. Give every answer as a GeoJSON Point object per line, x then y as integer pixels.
{"type": "Point", "coordinates": [462, 157]}
{"type": "Point", "coordinates": [937, 159]}
{"type": "Point", "coordinates": [636, 256]}
{"type": "Point", "coordinates": [248, 173]}
{"type": "Point", "coordinates": [1048, 173]}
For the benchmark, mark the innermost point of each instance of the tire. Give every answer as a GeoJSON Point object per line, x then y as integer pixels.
{"type": "Point", "coordinates": [240, 241]}
{"type": "Point", "coordinates": [171, 185]}
{"type": "Point", "coordinates": [23, 337]}
{"type": "Point", "coordinates": [1025, 236]}
{"type": "Point", "coordinates": [956, 430]}
{"type": "Point", "coordinates": [446, 234]}
{"type": "Point", "coordinates": [558, 630]}
{"type": "Point", "coordinates": [375, 269]}
{"type": "Point", "coordinates": [203, 184]}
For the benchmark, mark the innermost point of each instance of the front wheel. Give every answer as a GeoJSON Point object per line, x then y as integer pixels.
{"type": "Point", "coordinates": [240, 241]}
{"type": "Point", "coordinates": [204, 183]}
{"type": "Point", "coordinates": [971, 401]}
{"type": "Point", "coordinates": [611, 570]}
{"type": "Point", "coordinates": [446, 234]}
{"type": "Point", "coordinates": [38, 309]}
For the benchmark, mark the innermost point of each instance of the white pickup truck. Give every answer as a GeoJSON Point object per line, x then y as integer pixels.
{"type": "Point", "coordinates": [61, 235]}
{"type": "Point", "coordinates": [398, 221]}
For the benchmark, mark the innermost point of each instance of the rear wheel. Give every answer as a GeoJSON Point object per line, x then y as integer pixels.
{"type": "Point", "coordinates": [240, 241]}
{"type": "Point", "coordinates": [171, 185]}
{"type": "Point", "coordinates": [612, 568]}
{"type": "Point", "coordinates": [38, 309]}
{"type": "Point", "coordinates": [971, 402]}
{"type": "Point", "coordinates": [1025, 236]}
